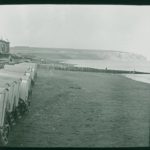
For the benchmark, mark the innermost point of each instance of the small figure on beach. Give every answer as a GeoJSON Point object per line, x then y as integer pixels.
{"type": "Point", "coordinates": [42, 60]}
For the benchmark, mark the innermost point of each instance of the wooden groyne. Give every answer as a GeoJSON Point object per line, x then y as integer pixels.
{"type": "Point", "coordinates": [69, 67]}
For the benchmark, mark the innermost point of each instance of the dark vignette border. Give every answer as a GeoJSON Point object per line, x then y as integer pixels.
{"type": "Point", "coordinates": [91, 2]}
{"type": "Point", "coordinates": [76, 2]}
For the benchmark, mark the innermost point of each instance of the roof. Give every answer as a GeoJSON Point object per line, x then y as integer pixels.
{"type": "Point", "coordinates": [12, 74]}
{"type": "Point", "coordinates": [32, 65]}
{"type": "Point", "coordinates": [4, 83]}
{"type": "Point", "coordinates": [17, 68]}
{"type": "Point", "coordinates": [28, 64]}
{"type": "Point", "coordinates": [4, 41]}
{"type": "Point", "coordinates": [5, 74]}
{"type": "Point", "coordinates": [8, 78]}
{"type": "Point", "coordinates": [2, 89]}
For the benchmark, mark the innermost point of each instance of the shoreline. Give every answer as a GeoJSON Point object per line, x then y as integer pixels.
{"type": "Point", "coordinates": [70, 67]}
{"type": "Point", "coordinates": [136, 76]}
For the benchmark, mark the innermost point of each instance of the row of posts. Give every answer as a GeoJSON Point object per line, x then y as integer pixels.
{"type": "Point", "coordinates": [70, 67]}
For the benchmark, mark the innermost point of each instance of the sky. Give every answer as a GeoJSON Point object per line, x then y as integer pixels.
{"type": "Point", "coordinates": [107, 27]}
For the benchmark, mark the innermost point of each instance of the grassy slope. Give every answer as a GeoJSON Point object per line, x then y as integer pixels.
{"type": "Point", "coordinates": [62, 53]}
{"type": "Point", "coordinates": [85, 109]}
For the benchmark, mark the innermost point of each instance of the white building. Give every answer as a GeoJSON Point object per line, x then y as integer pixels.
{"type": "Point", "coordinates": [4, 47]}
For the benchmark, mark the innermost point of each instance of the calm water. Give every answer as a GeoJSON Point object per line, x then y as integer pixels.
{"type": "Point", "coordinates": [145, 78]}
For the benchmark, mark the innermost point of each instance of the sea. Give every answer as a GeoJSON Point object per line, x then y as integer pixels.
{"type": "Point", "coordinates": [116, 65]}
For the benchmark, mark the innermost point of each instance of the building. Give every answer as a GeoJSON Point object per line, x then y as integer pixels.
{"type": "Point", "coordinates": [4, 47]}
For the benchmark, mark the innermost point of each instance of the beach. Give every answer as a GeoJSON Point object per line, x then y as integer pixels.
{"type": "Point", "coordinates": [81, 109]}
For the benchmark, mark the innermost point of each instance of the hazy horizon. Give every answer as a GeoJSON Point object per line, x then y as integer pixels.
{"type": "Point", "coordinates": [104, 27]}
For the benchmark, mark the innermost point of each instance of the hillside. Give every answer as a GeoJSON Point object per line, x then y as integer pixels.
{"type": "Point", "coordinates": [61, 53]}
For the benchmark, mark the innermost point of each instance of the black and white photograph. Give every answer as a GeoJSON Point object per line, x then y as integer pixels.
{"type": "Point", "coordinates": [74, 75]}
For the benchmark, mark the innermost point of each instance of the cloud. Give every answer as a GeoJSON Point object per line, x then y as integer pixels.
{"type": "Point", "coordinates": [124, 28]}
